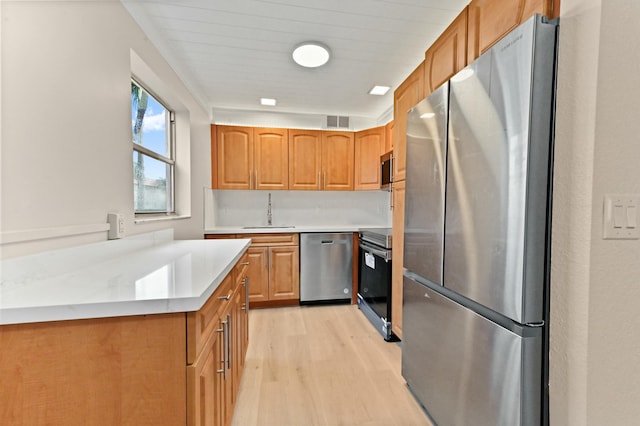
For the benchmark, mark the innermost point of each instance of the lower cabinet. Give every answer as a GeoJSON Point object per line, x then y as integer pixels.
{"type": "Point", "coordinates": [217, 339]}
{"type": "Point", "coordinates": [273, 268]}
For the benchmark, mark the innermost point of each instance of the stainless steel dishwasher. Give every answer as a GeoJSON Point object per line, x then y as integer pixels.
{"type": "Point", "coordinates": [326, 267]}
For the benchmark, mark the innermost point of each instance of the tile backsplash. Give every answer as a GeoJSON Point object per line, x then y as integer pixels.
{"type": "Point", "coordinates": [249, 208]}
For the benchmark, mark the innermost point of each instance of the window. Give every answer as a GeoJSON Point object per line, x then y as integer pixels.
{"type": "Point", "coordinates": [153, 129]}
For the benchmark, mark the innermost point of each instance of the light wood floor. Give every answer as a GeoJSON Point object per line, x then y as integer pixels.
{"type": "Point", "coordinates": [322, 365]}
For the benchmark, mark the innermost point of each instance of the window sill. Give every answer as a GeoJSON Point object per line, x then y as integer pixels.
{"type": "Point", "coordinates": [140, 219]}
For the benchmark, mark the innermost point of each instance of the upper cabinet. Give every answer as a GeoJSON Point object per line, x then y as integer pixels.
{"type": "Point", "coordinates": [271, 158]}
{"type": "Point", "coordinates": [337, 161]}
{"type": "Point", "coordinates": [305, 159]}
{"type": "Point", "coordinates": [251, 158]}
{"type": "Point", "coordinates": [369, 146]}
{"type": "Point", "coordinates": [490, 20]}
{"type": "Point", "coordinates": [235, 157]}
{"type": "Point", "coordinates": [321, 160]}
{"type": "Point", "coordinates": [447, 55]}
{"type": "Point", "coordinates": [409, 93]}
{"type": "Point", "coordinates": [388, 136]}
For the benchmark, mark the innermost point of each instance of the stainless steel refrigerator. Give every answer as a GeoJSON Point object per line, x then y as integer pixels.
{"type": "Point", "coordinates": [476, 254]}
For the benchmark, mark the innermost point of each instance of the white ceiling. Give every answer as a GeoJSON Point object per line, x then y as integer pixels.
{"type": "Point", "coordinates": [230, 53]}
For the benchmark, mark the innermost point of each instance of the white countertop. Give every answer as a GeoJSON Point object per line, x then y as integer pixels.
{"type": "Point", "coordinates": [115, 278]}
{"type": "Point", "coordinates": [296, 229]}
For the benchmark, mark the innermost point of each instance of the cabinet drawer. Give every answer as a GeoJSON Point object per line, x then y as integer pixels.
{"type": "Point", "coordinates": [272, 239]}
{"type": "Point", "coordinates": [219, 236]}
{"type": "Point", "coordinates": [203, 323]}
{"type": "Point", "coordinates": [240, 270]}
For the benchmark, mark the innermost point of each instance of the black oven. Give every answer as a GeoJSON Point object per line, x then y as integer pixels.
{"type": "Point", "coordinates": [374, 279]}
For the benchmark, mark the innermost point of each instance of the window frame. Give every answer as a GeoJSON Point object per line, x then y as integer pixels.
{"type": "Point", "coordinates": [169, 161]}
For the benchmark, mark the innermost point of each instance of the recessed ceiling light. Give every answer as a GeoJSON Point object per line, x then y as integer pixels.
{"type": "Point", "coordinates": [379, 90]}
{"type": "Point", "coordinates": [311, 54]}
{"type": "Point", "coordinates": [268, 101]}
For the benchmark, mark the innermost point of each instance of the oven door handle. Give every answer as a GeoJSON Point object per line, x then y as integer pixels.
{"type": "Point", "coordinates": [382, 253]}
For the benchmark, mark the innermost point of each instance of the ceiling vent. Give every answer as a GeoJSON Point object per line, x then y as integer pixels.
{"type": "Point", "coordinates": [337, 122]}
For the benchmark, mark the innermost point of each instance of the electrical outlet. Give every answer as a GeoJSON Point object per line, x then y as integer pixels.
{"type": "Point", "coordinates": [116, 222]}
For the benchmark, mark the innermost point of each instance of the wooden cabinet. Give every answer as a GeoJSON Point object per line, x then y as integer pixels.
{"type": "Point", "coordinates": [251, 158]}
{"type": "Point", "coordinates": [388, 136]}
{"type": "Point", "coordinates": [321, 160]}
{"type": "Point", "coordinates": [270, 158]}
{"type": "Point", "coordinates": [490, 20]}
{"type": "Point", "coordinates": [409, 93]}
{"type": "Point", "coordinates": [164, 369]}
{"type": "Point", "coordinates": [217, 337]}
{"type": "Point", "coordinates": [447, 55]}
{"type": "Point", "coordinates": [398, 194]}
{"type": "Point", "coordinates": [369, 146]}
{"type": "Point", "coordinates": [305, 159]}
{"type": "Point", "coordinates": [337, 161]}
{"type": "Point", "coordinates": [272, 268]}
{"type": "Point", "coordinates": [284, 273]}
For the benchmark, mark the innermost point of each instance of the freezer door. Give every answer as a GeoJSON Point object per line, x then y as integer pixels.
{"type": "Point", "coordinates": [465, 369]}
{"type": "Point", "coordinates": [497, 174]}
{"type": "Point", "coordinates": [425, 180]}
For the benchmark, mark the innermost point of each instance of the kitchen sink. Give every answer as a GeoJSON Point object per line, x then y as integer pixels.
{"type": "Point", "coordinates": [269, 227]}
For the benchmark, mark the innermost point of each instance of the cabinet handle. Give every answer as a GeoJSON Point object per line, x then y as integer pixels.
{"type": "Point", "coordinates": [227, 297]}
{"type": "Point", "coordinates": [270, 261]}
{"type": "Point", "coordinates": [225, 349]}
{"type": "Point", "coordinates": [229, 337]}
{"type": "Point", "coordinates": [250, 179]}
{"type": "Point", "coordinates": [246, 293]}
{"type": "Point", "coordinates": [319, 180]}
{"type": "Point", "coordinates": [256, 177]}
{"type": "Point", "coordinates": [391, 197]}
{"type": "Point", "coordinates": [245, 264]}
{"type": "Point", "coordinates": [324, 180]}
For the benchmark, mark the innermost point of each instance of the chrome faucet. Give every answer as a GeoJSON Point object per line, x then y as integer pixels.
{"type": "Point", "coordinates": [269, 218]}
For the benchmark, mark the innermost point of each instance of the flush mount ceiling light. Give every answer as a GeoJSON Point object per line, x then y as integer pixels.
{"type": "Point", "coordinates": [268, 101]}
{"type": "Point", "coordinates": [311, 54]}
{"type": "Point", "coordinates": [379, 90]}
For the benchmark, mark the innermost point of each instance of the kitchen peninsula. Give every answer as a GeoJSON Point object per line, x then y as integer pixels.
{"type": "Point", "coordinates": [130, 331]}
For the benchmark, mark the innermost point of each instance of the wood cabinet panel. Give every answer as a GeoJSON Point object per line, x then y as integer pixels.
{"type": "Point", "coordinates": [120, 371]}
{"type": "Point", "coordinates": [206, 403]}
{"type": "Point", "coordinates": [369, 146]}
{"type": "Point", "coordinates": [305, 159]}
{"type": "Point", "coordinates": [234, 157]}
{"type": "Point", "coordinates": [284, 277]}
{"type": "Point", "coordinates": [202, 323]}
{"type": "Point", "coordinates": [337, 161]}
{"type": "Point", "coordinates": [398, 195]}
{"type": "Point", "coordinates": [388, 138]}
{"type": "Point", "coordinates": [447, 55]}
{"type": "Point", "coordinates": [270, 159]}
{"type": "Point", "coordinates": [490, 20]}
{"type": "Point", "coordinates": [266, 240]}
{"type": "Point", "coordinates": [409, 93]}
{"type": "Point", "coordinates": [258, 273]}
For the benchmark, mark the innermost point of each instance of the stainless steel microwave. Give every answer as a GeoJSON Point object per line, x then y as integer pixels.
{"type": "Point", "coordinates": [386, 170]}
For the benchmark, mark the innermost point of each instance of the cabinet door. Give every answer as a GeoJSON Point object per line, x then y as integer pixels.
{"type": "Point", "coordinates": [447, 55]}
{"type": "Point", "coordinates": [337, 161]}
{"type": "Point", "coordinates": [369, 146]}
{"type": "Point", "coordinates": [398, 253]}
{"type": "Point", "coordinates": [409, 93]}
{"type": "Point", "coordinates": [490, 20]}
{"type": "Point", "coordinates": [270, 159]}
{"type": "Point", "coordinates": [205, 384]}
{"type": "Point", "coordinates": [258, 273]}
{"type": "Point", "coordinates": [388, 137]}
{"type": "Point", "coordinates": [305, 159]}
{"type": "Point", "coordinates": [284, 273]}
{"type": "Point", "coordinates": [235, 157]}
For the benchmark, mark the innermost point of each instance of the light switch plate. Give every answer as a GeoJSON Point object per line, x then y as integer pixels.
{"type": "Point", "coordinates": [621, 217]}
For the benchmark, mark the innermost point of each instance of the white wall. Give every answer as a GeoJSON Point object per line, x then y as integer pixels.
{"type": "Point", "coordinates": [595, 345]}
{"type": "Point", "coordinates": [66, 126]}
